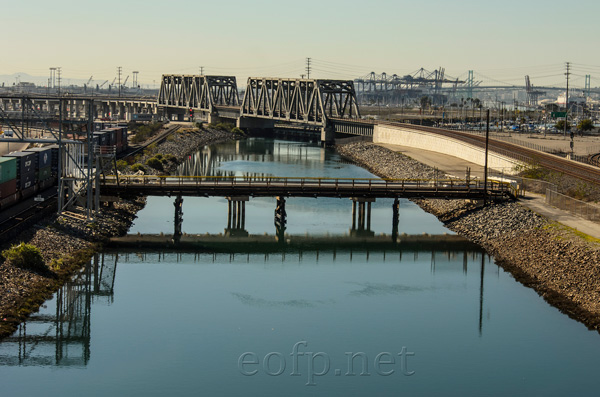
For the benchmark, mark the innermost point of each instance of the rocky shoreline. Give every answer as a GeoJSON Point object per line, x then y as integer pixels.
{"type": "Point", "coordinates": [70, 242]}
{"type": "Point", "coordinates": [561, 266]}
{"type": "Point", "coordinates": [181, 144]}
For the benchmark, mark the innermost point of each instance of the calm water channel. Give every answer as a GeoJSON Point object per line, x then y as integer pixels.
{"type": "Point", "coordinates": [320, 314]}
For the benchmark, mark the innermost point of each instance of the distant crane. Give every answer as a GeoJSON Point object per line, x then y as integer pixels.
{"type": "Point", "coordinates": [102, 85]}
{"type": "Point", "coordinates": [125, 82]}
{"type": "Point", "coordinates": [89, 81]}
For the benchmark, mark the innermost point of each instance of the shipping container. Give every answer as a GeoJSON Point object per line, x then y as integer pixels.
{"type": "Point", "coordinates": [44, 156]}
{"type": "Point", "coordinates": [7, 188]}
{"type": "Point", "coordinates": [9, 200]}
{"type": "Point", "coordinates": [27, 180]}
{"type": "Point", "coordinates": [47, 183]}
{"type": "Point", "coordinates": [8, 169]}
{"type": "Point", "coordinates": [113, 137]}
{"type": "Point", "coordinates": [30, 191]}
{"type": "Point", "coordinates": [26, 162]}
{"type": "Point", "coordinates": [141, 116]}
{"type": "Point", "coordinates": [44, 173]}
{"type": "Point", "coordinates": [103, 138]}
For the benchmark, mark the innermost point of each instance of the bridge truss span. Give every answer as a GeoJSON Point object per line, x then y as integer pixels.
{"type": "Point", "coordinates": [198, 92]}
{"type": "Point", "coordinates": [303, 101]}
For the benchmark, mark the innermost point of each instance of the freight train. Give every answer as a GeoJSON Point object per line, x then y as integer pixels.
{"type": "Point", "coordinates": [24, 174]}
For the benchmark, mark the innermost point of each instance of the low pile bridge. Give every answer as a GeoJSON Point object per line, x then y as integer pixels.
{"type": "Point", "coordinates": [303, 187]}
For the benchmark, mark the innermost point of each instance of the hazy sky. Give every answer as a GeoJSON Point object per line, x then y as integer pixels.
{"type": "Point", "coordinates": [499, 40]}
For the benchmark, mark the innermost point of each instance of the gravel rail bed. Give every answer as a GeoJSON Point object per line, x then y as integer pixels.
{"type": "Point", "coordinates": [561, 266]}
{"type": "Point", "coordinates": [73, 241]}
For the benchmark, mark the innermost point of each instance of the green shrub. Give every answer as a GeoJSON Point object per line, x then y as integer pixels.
{"type": "Point", "coordinates": [237, 131]}
{"type": "Point", "coordinates": [143, 132]}
{"type": "Point", "coordinates": [25, 256]}
{"type": "Point", "coordinates": [150, 148]}
{"type": "Point", "coordinates": [155, 163]}
{"type": "Point", "coordinates": [170, 157]}
{"type": "Point", "coordinates": [224, 127]}
{"type": "Point", "coordinates": [121, 165]}
{"type": "Point", "coordinates": [56, 264]}
{"type": "Point", "coordinates": [138, 167]}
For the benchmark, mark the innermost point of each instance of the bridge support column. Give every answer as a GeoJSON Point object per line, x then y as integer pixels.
{"type": "Point", "coordinates": [178, 221]}
{"type": "Point", "coordinates": [361, 221]}
{"type": "Point", "coordinates": [280, 218]}
{"type": "Point", "coordinates": [327, 136]}
{"type": "Point", "coordinates": [236, 216]}
{"type": "Point", "coordinates": [395, 219]}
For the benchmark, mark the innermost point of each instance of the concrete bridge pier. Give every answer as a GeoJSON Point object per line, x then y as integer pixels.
{"type": "Point", "coordinates": [178, 220]}
{"type": "Point", "coordinates": [280, 218]}
{"type": "Point", "coordinates": [395, 219]}
{"type": "Point", "coordinates": [327, 136]}
{"type": "Point", "coordinates": [361, 220]}
{"type": "Point", "coordinates": [236, 216]}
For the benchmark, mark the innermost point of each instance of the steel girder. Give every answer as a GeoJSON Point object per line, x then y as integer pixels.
{"type": "Point", "coordinates": [300, 100]}
{"type": "Point", "coordinates": [198, 92]}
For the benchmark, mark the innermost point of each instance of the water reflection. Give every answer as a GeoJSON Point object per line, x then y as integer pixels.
{"type": "Point", "coordinates": [60, 333]}
{"type": "Point", "coordinates": [235, 158]}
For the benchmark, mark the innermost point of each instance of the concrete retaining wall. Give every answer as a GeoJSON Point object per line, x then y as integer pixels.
{"type": "Point", "coordinates": [403, 136]}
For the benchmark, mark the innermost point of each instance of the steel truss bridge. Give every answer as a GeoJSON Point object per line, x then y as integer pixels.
{"type": "Point", "coordinates": [298, 102]}
{"type": "Point", "coordinates": [206, 95]}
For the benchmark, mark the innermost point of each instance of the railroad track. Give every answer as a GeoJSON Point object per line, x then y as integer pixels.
{"type": "Point", "coordinates": [10, 227]}
{"type": "Point", "coordinates": [594, 159]}
{"type": "Point", "coordinates": [575, 169]}
{"type": "Point", "coordinates": [157, 138]}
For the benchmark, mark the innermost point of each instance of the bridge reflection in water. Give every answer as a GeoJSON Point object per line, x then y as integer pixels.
{"type": "Point", "coordinates": [60, 333]}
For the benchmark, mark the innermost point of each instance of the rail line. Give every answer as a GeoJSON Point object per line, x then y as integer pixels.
{"type": "Point", "coordinates": [155, 139]}
{"type": "Point", "coordinates": [575, 169]}
{"type": "Point", "coordinates": [35, 211]}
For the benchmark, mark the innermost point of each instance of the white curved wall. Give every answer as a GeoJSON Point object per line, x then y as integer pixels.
{"type": "Point", "coordinates": [403, 136]}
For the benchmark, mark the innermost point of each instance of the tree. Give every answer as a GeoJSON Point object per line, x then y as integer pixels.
{"type": "Point", "coordinates": [560, 125]}
{"type": "Point", "coordinates": [585, 125]}
{"type": "Point", "coordinates": [425, 101]}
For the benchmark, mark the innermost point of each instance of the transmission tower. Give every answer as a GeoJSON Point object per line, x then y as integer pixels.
{"type": "Point", "coordinates": [308, 67]}
{"type": "Point", "coordinates": [58, 69]}
{"type": "Point", "coordinates": [119, 69]}
{"type": "Point", "coordinates": [568, 73]}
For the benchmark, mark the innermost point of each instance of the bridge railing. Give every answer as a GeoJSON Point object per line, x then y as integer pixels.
{"type": "Point", "coordinates": [264, 181]}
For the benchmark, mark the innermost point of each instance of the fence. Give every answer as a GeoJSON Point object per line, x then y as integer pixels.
{"type": "Point", "coordinates": [564, 152]}
{"type": "Point", "coordinates": [573, 206]}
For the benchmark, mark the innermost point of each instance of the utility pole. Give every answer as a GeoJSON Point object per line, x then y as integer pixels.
{"type": "Point", "coordinates": [119, 69]}
{"type": "Point", "coordinates": [201, 70]}
{"type": "Point", "coordinates": [485, 169]}
{"type": "Point", "coordinates": [58, 69]}
{"type": "Point", "coordinates": [568, 73]}
{"type": "Point", "coordinates": [308, 67]}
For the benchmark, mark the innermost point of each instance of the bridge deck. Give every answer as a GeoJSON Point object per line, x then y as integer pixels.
{"type": "Point", "coordinates": [302, 187]}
